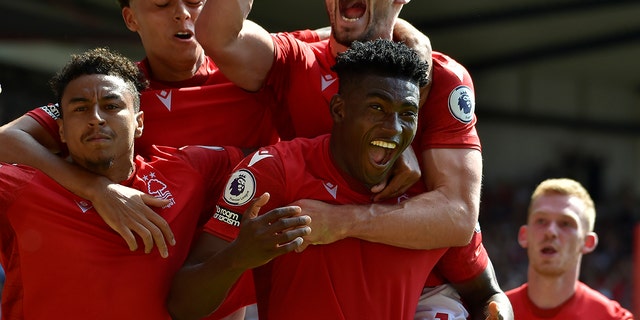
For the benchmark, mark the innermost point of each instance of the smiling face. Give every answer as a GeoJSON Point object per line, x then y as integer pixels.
{"type": "Point", "coordinates": [375, 120]}
{"type": "Point", "coordinates": [556, 234]}
{"type": "Point", "coordinates": [99, 124]}
{"type": "Point", "coordinates": [362, 19]}
{"type": "Point", "coordinates": [166, 29]}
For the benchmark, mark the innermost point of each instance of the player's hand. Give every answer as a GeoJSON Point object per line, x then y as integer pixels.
{"type": "Point", "coordinates": [326, 223]}
{"type": "Point", "coordinates": [405, 172]}
{"type": "Point", "coordinates": [493, 311]}
{"type": "Point", "coordinates": [264, 237]}
{"type": "Point", "coordinates": [127, 211]}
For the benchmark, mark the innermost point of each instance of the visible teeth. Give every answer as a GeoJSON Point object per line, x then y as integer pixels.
{"type": "Point", "coordinates": [384, 144]}
{"type": "Point", "coordinates": [350, 19]}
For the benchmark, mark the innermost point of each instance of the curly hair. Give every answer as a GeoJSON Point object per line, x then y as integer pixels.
{"type": "Point", "coordinates": [382, 57]}
{"type": "Point", "coordinates": [100, 61]}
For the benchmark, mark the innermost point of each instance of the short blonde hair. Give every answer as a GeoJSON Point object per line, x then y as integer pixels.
{"type": "Point", "coordinates": [569, 187]}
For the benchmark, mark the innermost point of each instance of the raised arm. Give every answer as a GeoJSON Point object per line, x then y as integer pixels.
{"type": "Point", "coordinates": [443, 217]}
{"type": "Point", "coordinates": [125, 210]}
{"type": "Point", "coordinates": [242, 50]}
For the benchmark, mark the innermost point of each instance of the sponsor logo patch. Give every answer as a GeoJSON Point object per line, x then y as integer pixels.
{"type": "Point", "coordinates": [240, 188]}
{"type": "Point", "coordinates": [53, 110]}
{"type": "Point", "coordinates": [227, 216]}
{"type": "Point", "coordinates": [462, 104]}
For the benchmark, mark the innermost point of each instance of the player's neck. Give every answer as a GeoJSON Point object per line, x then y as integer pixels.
{"type": "Point", "coordinates": [174, 71]}
{"type": "Point", "coordinates": [547, 291]}
{"type": "Point", "coordinates": [336, 47]}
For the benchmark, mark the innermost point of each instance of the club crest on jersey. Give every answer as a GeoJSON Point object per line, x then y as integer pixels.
{"type": "Point", "coordinates": [240, 188]}
{"type": "Point", "coordinates": [158, 189]}
{"type": "Point", "coordinates": [462, 104]}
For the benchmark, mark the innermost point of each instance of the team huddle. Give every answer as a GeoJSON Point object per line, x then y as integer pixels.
{"type": "Point", "coordinates": [311, 175]}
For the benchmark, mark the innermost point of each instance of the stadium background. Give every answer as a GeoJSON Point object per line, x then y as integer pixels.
{"type": "Point", "coordinates": [557, 94]}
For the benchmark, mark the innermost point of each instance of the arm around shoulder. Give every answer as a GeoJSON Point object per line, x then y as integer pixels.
{"type": "Point", "coordinates": [444, 216]}
{"type": "Point", "coordinates": [27, 142]}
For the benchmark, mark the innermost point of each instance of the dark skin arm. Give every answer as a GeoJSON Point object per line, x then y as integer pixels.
{"type": "Point", "coordinates": [214, 265]}
{"type": "Point", "coordinates": [484, 298]}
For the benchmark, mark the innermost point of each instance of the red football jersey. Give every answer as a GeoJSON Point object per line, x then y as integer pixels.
{"type": "Point", "coordinates": [61, 259]}
{"type": "Point", "coordinates": [348, 279]}
{"type": "Point", "coordinates": [304, 84]}
{"type": "Point", "coordinates": [205, 110]}
{"type": "Point", "coordinates": [586, 303]}
{"type": "Point", "coordinates": [461, 263]}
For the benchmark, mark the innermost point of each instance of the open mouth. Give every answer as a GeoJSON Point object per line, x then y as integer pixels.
{"type": "Point", "coordinates": [184, 35]}
{"type": "Point", "coordinates": [548, 250]}
{"type": "Point", "coordinates": [352, 10]}
{"type": "Point", "coordinates": [382, 152]}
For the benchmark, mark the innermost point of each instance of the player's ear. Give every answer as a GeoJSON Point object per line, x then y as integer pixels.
{"type": "Point", "coordinates": [61, 130]}
{"type": "Point", "coordinates": [139, 124]}
{"type": "Point", "coordinates": [522, 237]}
{"type": "Point", "coordinates": [590, 242]}
{"type": "Point", "coordinates": [336, 107]}
{"type": "Point", "coordinates": [129, 19]}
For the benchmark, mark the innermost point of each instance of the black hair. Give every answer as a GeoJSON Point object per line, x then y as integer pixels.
{"type": "Point", "coordinates": [382, 57]}
{"type": "Point", "coordinates": [123, 3]}
{"type": "Point", "coordinates": [99, 61]}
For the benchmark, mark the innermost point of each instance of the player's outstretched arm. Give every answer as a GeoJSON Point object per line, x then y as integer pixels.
{"type": "Point", "coordinates": [214, 265]}
{"type": "Point", "coordinates": [242, 49]}
{"type": "Point", "coordinates": [125, 210]}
